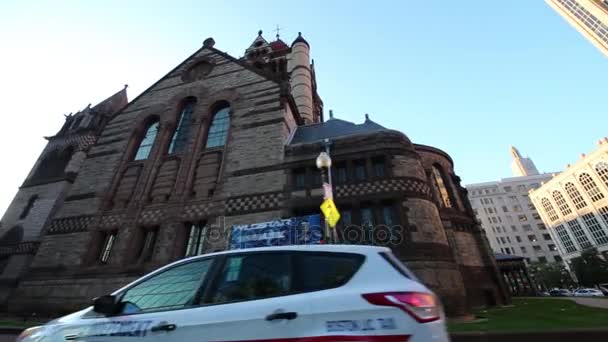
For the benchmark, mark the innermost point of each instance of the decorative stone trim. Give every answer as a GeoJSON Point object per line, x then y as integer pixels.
{"type": "Point", "coordinates": [151, 216]}
{"type": "Point", "coordinates": [110, 221]}
{"type": "Point", "coordinates": [196, 211]}
{"type": "Point", "coordinates": [253, 203]}
{"type": "Point", "coordinates": [22, 248]}
{"type": "Point", "coordinates": [72, 224]}
{"type": "Point", "coordinates": [412, 187]}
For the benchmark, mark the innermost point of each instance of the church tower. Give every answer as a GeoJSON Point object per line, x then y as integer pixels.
{"type": "Point", "coordinates": [45, 188]}
{"type": "Point", "coordinates": [522, 166]}
{"type": "Point", "coordinates": [293, 66]}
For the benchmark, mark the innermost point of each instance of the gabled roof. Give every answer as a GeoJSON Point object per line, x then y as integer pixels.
{"type": "Point", "coordinates": [113, 103]}
{"type": "Point", "coordinates": [333, 128]}
{"type": "Point", "coordinates": [278, 45]}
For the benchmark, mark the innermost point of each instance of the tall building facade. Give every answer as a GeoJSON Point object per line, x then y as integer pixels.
{"type": "Point", "coordinates": [509, 218]}
{"type": "Point", "coordinates": [221, 141]}
{"type": "Point", "coordinates": [589, 17]}
{"type": "Point", "coordinates": [574, 204]}
{"type": "Point", "coordinates": [46, 188]}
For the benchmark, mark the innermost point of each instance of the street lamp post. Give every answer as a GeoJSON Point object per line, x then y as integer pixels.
{"type": "Point", "coordinates": [324, 165]}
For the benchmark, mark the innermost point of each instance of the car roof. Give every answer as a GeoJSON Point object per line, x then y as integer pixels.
{"type": "Point", "coordinates": [361, 249]}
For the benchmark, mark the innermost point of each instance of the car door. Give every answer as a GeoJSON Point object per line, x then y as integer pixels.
{"type": "Point", "coordinates": [252, 298]}
{"type": "Point", "coordinates": [154, 309]}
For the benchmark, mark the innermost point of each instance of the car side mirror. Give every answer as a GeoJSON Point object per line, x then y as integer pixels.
{"type": "Point", "coordinates": [106, 305]}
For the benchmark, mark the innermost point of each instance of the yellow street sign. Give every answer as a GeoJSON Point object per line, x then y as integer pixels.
{"type": "Point", "coordinates": [331, 213]}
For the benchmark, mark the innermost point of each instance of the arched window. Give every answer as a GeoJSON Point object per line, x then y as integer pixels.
{"type": "Point", "coordinates": [602, 170]}
{"type": "Point", "coordinates": [548, 207]}
{"type": "Point", "coordinates": [590, 187]}
{"type": "Point", "coordinates": [181, 136]}
{"type": "Point", "coordinates": [218, 130]}
{"type": "Point", "coordinates": [145, 146]}
{"type": "Point", "coordinates": [563, 206]}
{"type": "Point", "coordinates": [575, 196]}
{"type": "Point", "coordinates": [442, 187]}
{"type": "Point", "coordinates": [28, 207]}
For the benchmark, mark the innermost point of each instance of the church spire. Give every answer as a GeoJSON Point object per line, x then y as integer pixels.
{"type": "Point", "coordinates": [522, 166]}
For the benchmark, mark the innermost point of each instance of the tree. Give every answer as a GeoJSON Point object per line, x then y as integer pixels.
{"type": "Point", "coordinates": [590, 268]}
{"type": "Point", "coordinates": [550, 275]}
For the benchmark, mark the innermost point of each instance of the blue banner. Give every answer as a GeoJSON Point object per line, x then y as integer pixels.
{"type": "Point", "coordinates": [292, 231]}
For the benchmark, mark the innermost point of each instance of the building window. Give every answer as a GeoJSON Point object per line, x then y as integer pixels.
{"type": "Point", "coordinates": [541, 226]}
{"type": "Point", "coordinates": [598, 234]}
{"type": "Point", "coordinates": [508, 239]}
{"type": "Point", "coordinates": [367, 222]}
{"type": "Point", "coordinates": [196, 239]}
{"type": "Point", "coordinates": [147, 247]}
{"type": "Point", "coordinates": [531, 206]}
{"type": "Point", "coordinates": [548, 207]}
{"type": "Point", "coordinates": [502, 239]}
{"type": "Point", "coordinates": [508, 189]}
{"type": "Point", "coordinates": [513, 228]}
{"type": "Point", "coordinates": [494, 229]}
{"type": "Point", "coordinates": [181, 136]}
{"type": "Point", "coordinates": [442, 187]}
{"type": "Point", "coordinates": [299, 178]}
{"type": "Point", "coordinates": [535, 216]}
{"type": "Point", "coordinates": [218, 130]}
{"type": "Point", "coordinates": [542, 259]}
{"type": "Point", "coordinates": [590, 187]}
{"type": "Point", "coordinates": [494, 220]}
{"type": "Point", "coordinates": [527, 227]}
{"type": "Point", "coordinates": [564, 237]}
{"type": "Point", "coordinates": [579, 234]}
{"type": "Point", "coordinates": [498, 240]}
{"type": "Point", "coordinates": [523, 249]}
{"type": "Point", "coordinates": [575, 196]}
{"type": "Point", "coordinates": [561, 203]}
{"type": "Point", "coordinates": [604, 213]}
{"type": "Point", "coordinates": [516, 208]}
{"type": "Point", "coordinates": [532, 238]}
{"type": "Point", "coordinates": [505, 209]}
{"type": "Point", "coordinates": [536, 248]}
{"type": "Point", "coordinates": [557, 258]}
{"type": "Point", "coordinates": [28, 207]}
{"type": "Point", "coordinates": [552, 248]}
{"type": "Point", "coordinates": [522, 218]}
{"type": "Point", "coordinates": [145, 146]}
{"type": "Point", "coordinates": [340, 173]}
{"type": "Point", "coordinates": [360, 170]}
{"type": "Point", "coordinates": [379, 167]}
{"type": "Point", "coordinates": [602, 170]}
{"type": "Point", "coordinates": [106, 249]}
{"type": "Point", "coordinates": [518, 238]}
{"type": "Point", "coordinates": [547, 237]}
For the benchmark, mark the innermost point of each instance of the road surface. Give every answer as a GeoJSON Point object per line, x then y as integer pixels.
{"type": "Point", "coordinates": [8, 338]}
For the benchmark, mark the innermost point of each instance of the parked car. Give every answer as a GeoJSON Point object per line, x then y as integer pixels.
{"type": "Point", "coordinates": [588, 293]}
{"type": "Point", "coordinates": [316, 293]}
{"type": "Point", "coordinates": [560, 293]}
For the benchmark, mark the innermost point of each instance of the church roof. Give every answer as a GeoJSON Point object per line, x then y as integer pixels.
{"type": "Point", "coordinates": [113, 103]}
{"type": "Point", "coordinates": [333, 128]}
{"type": "Point", "coordinates": [278, 45]}
{"type": "Point", "coordinates": [300, 39]}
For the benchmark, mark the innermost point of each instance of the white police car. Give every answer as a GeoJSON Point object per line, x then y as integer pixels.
{"type": "Point", "coordinates": [292, 293]}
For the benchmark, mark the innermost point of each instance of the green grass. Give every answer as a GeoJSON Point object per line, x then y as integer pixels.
{"type": "Point", "coordinates": [19, 324]}
{"type": "Point", "coordinates": [535, 314]}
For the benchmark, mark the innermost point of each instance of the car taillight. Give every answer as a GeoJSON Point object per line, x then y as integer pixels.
{"type": "Point", "coordinates": [423, 307]}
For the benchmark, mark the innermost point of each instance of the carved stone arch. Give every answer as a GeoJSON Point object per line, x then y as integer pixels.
{"type": "Point", "coordinates": [142, 122]}
{"type": "Point", "coordinates": [232, 96]}
{"type": "Point", "coordinates": [173, 107]}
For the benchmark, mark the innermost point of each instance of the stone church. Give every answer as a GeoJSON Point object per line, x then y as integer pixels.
{"type": "Point", "coordinates": [125, 187]}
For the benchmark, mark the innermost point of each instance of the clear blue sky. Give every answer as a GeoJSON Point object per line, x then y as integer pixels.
{"type": "Point", "coordinates": [470, 77]}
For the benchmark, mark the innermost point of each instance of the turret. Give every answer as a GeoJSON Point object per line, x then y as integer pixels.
{"type": "Point", "coordinates": [301, 78]}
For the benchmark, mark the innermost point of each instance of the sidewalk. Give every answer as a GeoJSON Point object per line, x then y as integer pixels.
{"type": "Point", "coordinates": [599, 302]}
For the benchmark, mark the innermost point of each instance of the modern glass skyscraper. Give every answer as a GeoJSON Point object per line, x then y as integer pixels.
{"type": "Point", "coordinates": [589, 17]}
